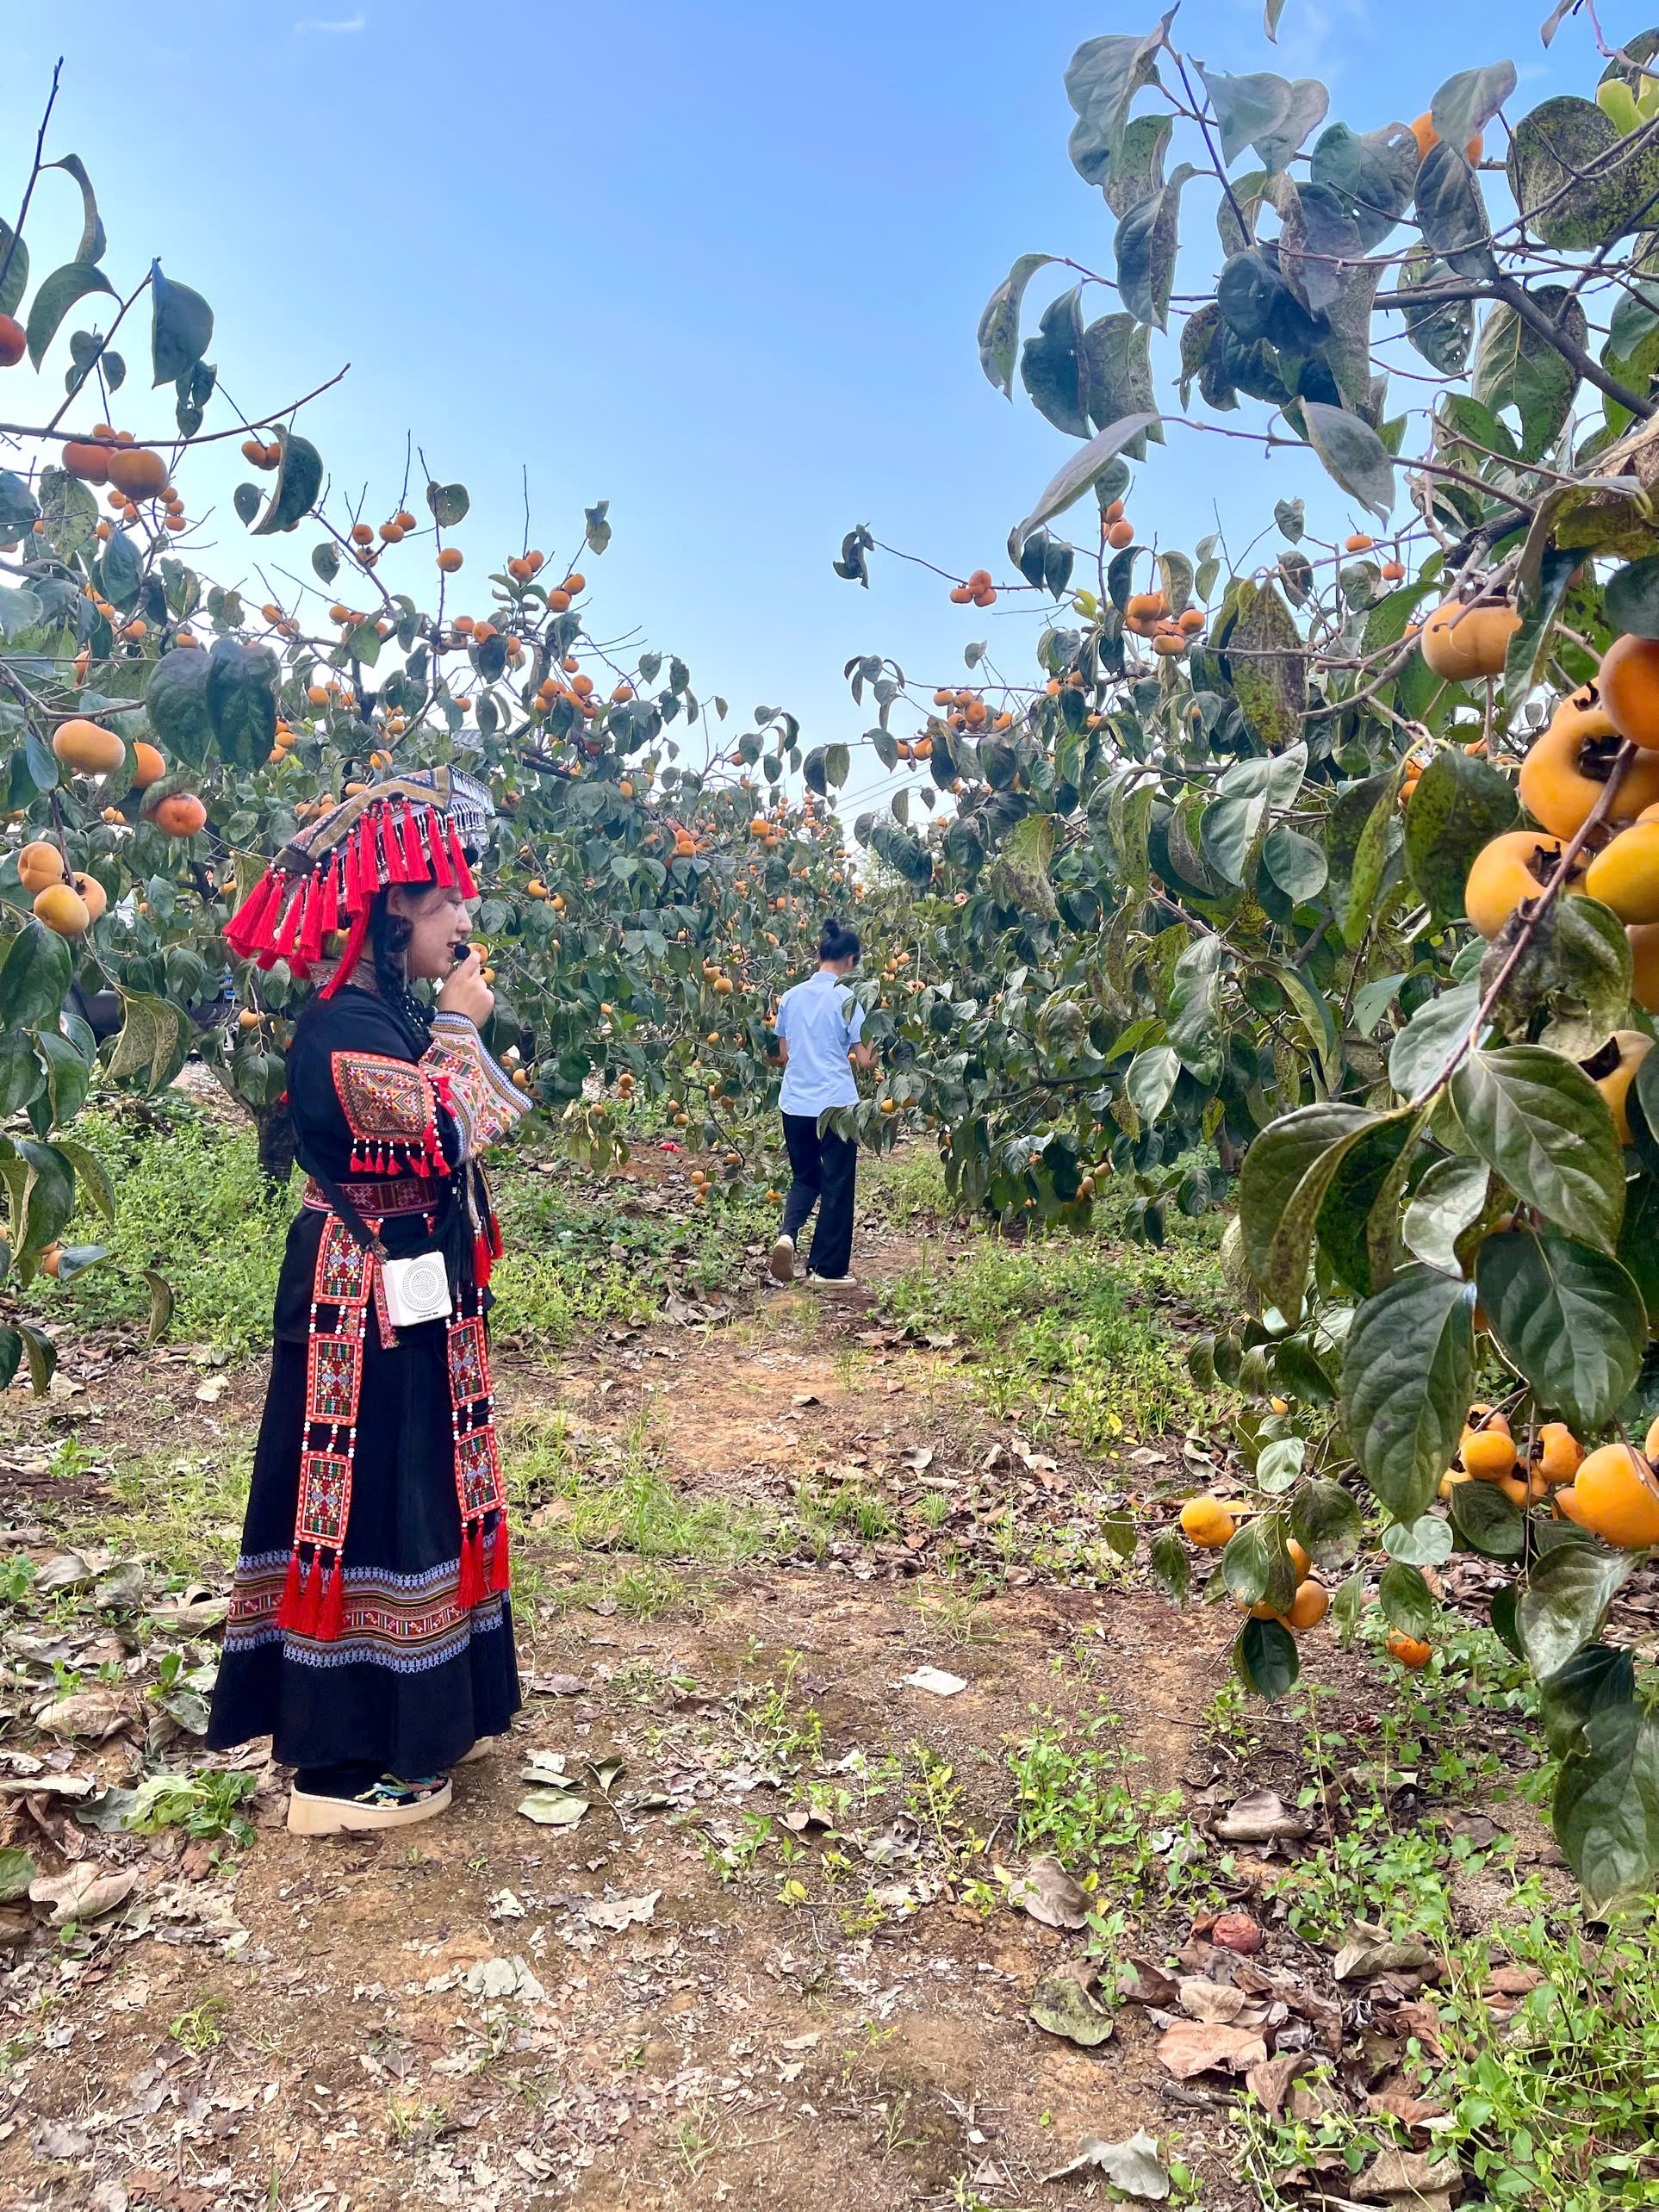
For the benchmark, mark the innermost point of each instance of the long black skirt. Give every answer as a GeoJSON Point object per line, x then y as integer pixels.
{"type": "Point", "coordinates": [416, 1678]}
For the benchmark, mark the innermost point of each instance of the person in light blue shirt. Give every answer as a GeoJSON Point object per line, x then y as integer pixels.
{"type": "Point", "coordinates": [819, 1027]}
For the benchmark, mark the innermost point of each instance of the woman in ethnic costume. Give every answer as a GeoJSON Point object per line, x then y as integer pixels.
{"type": "Point", "coordinates": [370, 1633]}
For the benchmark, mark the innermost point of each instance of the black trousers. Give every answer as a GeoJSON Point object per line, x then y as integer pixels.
{"type": "Point", "coordinates": [824, 1170]}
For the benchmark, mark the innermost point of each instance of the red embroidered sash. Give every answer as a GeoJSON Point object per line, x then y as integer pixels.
{"type": "Point", "coordinates": [313, 1596]}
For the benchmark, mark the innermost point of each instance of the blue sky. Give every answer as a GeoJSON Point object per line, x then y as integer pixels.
{"type": "Point", "coordinates": [720, 264]}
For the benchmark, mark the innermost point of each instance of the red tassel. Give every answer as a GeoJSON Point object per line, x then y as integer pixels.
{"type": "Point", "coordinates": [470, 1591]}
{"type": "Point", "coordinates": [310, 1598]}
{"type": "Point", "coordinates": [442, 872]}
{"type": "Point", "coordinates": [399, 843]}
{"type": "Point", "coordinates": [495, 1238]}
{"type": "Point", "coordinates": [246, 930]}
{"type": "Point", "coordinates": [331, 898]}
{"type": "Point", "coordinates": [501, 1570]}
{"type": "Point", "coordinates": [311, 928]}
{"type": "Point", "coordinates": [482, 1262]}
{"type": "Point", "coordinates": [331, 1613]}
{"type": "Point", "coordinates": [288, 1609]}
{"type": "Point", "coordinates": [289, 935]}
{"type": "Point", "coordinates": [368, 856]}
{"type": "Point", "coordinates": [354, 944]}
{"type": "Point", "coordinates": [463, 873]}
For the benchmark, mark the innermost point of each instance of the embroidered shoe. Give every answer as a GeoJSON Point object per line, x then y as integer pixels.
{"type": "Point", "coordinates": [388, 1803]}
{"type": "Point", "coordinates": [782, 1262]}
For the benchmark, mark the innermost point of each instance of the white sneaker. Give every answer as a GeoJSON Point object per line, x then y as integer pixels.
{"type": "Point", "coordinates": [832, 1283]}
{"type": "Point", "coordinates": [783, 1260]}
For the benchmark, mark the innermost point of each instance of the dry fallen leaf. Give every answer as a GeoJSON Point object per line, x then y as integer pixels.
{"type": "Point", "coordinates": [1148, 1984]}
{"type": "Point", "coordinates": [1216, 2003]}
{"type": "Point", "coordinates": [619, 1912]}
{"type": "Point", "coordinates": [1410, 2111]}
{"type": "Point", "coordinates": [1191, 2047]}
{"type": "Point", "coordinates": [1410, 2181]}
{"type": "Point", "coordinates": [1132, 2167]}
{"type": "Point", "coordinates": [1270, 2080]}
{"type": "Point", "coordinates": [1048, 1893]}
{"type": "Point", "coordinates": [553, 1808]}
{"type": "Point", "coordinates": [1062, 2006]}
{"type": "Point", "coordinates": [1371, 1950]}
{"type": "Point", "coordinates": [1261, 1817]}
{"type": "Point", "coordinates": [55, 2138]}
{"type": "Point", "coordinates": [82, 1893]}
{"type": "Point", "coordinates": [90, 1714]}
{"type": "Point", "coordinates": [935, 1681]}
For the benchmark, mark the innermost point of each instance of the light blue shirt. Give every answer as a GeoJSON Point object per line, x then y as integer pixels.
{"type": "Point", "coordinates": [820, 1020]}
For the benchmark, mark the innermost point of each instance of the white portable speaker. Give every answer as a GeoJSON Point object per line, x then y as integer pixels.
{"type": "Point", "coordinates": [417, 1288]}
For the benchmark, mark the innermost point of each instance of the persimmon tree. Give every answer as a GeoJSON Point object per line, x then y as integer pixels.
{"type": "Point", "coordinates": [1328, 851]}
{"type": "Point", "coordinates": [162, 734]}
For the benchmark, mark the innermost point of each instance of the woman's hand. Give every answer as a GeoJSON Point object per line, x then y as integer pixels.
{"type": "Point", "coordinates": [465, 991]}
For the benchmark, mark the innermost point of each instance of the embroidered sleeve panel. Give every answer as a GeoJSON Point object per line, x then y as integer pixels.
{"type": "Point", "coordinates": [480, 1093]}
{"type": "Point", "coordinates": [391, 1109]}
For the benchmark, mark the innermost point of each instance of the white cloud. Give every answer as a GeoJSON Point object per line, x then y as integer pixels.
{"type": "Point", "coordinates": [335, 29]}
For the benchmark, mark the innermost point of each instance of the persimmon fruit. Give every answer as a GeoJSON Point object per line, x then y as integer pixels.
{"type": "Point", "coordinates": [1464, 642]}
{"type": "Point", "coordinates": [180, 816]}
{"type": "Point", "coordinates": [39, 865]}
{"type": "Point", "coordinates": [1557, 1455]}
{"type": "Point", "coordinates": [86, 461]}
{"type": "Point", "coordinates": [1208, 1523]}
{"type": "Point", "coordinates": [1615, 1495]}
{"type": "Point", "coordinates": [87, 749]}
{"type": "Point", "coordinates": [1428, 138]}
{"type": "Point", "coordinates": [62, 909]}
{"type": "Point", "coordinates": [1513, 867]}
{"type": "Point", "coordinates": [137, 471]}
{"type": "Point", "coordinates": [1628, 680]}
{"type": "Point", "coordinates": [1565, 774]}
{"type": "Point", "coordinates": [1624, 1053]}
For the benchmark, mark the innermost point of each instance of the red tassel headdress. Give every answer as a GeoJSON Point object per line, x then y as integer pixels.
{"type": "Point", "coordinates": [424, 827]}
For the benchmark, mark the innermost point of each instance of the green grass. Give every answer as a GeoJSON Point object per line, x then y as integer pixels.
{"type": "Point", "coordinates": [185, 1513]}
{"type": "Point", "coordinates": [1073, 1335]}
{"type": "Point", "coordinates": [906, 1187]}
{"type": "Point", "coordinates": [191, 1203]}
{"type": "Point", "coordinates": [1554, 2109]}
{"type": "Point", "coordinates": [624, 1529]}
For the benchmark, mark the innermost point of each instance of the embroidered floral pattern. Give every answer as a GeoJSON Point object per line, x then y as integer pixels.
{"type": "Point", "coordinates": [401, 1622]}
{"type": "Point", "coordinates": [327, 1496]}
{"type": "Point", "coordinates": [477, 1472]}
{"type": "Point", "coordinates": [469, 1368]}
{"type": "Point", "coordinates": [391, 1109]}
{"type": "Point", "coordinates": [334, 1378]}
{"type": "Point", "coordinates": [482, 1095]}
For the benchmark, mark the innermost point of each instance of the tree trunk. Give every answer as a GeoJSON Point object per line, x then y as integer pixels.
{"type": "Point", "coordinates": [277, 1138]}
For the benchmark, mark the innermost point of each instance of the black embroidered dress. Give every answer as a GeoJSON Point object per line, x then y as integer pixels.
{"type": "Point", "coordinates": [369, 1621]}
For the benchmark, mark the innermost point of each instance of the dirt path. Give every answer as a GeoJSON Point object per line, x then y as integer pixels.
{"type": "Point", "coordinates": [767, 1966]}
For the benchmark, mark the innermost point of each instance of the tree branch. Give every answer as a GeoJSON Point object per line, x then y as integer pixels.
{"type": "Point", "coordinates": [1516, 296]}
{"type": "Point", "coordinates": [170, 438]}
{"type": "Point", "coordinates": [1521, 303]}
{"type": "Point", "coordinates": [34, 174]}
